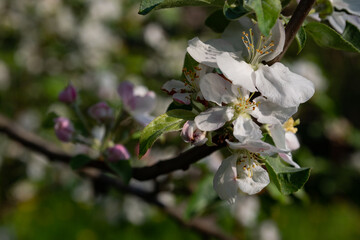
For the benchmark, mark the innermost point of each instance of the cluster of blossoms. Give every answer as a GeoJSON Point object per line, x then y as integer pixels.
{"type": "Point", "coordinates": [239, 94]}
{"type": "Point", "coordinates": [137, 101]}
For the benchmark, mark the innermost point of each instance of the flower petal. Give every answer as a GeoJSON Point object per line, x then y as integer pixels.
{"type": "Point", "coordinates": [256, 146]}
{"type": "Point", "coordinates": [224, 182]}
{"type": "Point", "coordinates": [283, 87]}
{"type": "Point", "coordinates": [251, 182]}
{"type": "Point", "coordinates": [206, 53]}
{"type": "Point", "coordinates": [292, 142]}
{"type": "Point", "coordinates": [214, 118]}
{"type": "Point", "coordinates": [352, 6]}
{"type": "Point", "coordinates": [287, 157]}
{"type": "Point", "coordinates": [144, 103]}
{"type": "Point", "coordinates": [173, 86]}
{"type": "Point", "coordinates": [239, 72]}
{"type": "Point", "coordinates": [216, 89]}
{"type": "Point", "coordinates": [143, 119]}
{"type": "Point", "coordinates": [278, 39]}
{"type": "Point", "coordinates": [271, 113]}
{"type": "Point", "coordinates": [245, 128]}
{"type": "Point", "coordinates": [183, 98]}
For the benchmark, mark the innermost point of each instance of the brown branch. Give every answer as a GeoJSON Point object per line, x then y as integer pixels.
{"type": "Point", "coordinates": [293, 26]}
{"type": "Point", "coordinates": [37, 144]}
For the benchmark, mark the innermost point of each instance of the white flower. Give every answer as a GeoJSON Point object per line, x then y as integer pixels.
{"type": "Point", "coordinates": [235, 104]}
{"type": "Point", "coordinates": [239, 56]}
{"type": "Point", "coordinates": [284, 138]}
{"type": "Point", "coordinates": [190, 133]}
{"type": "Point", "coordinates": [138, 101]}
{"type": "Point", "coordinates": [183, 92]}
{"type": "Point", "coordinates": [240, 172]}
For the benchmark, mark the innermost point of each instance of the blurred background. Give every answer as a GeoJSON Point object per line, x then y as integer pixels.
{"type": "Point", "coordinates": [95, 45]}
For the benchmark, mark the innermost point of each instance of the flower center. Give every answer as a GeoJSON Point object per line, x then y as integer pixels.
{"type": "Point", "coordinates": [248, 161]}
{"type": "Point", "coordinates": [259, 49]}
{"type": "Point", "coordinates": [290, 124]}
{"type": "Point", "coordinates": [192, 78]}
{"type": "Point", "coordinates": [245, 104]}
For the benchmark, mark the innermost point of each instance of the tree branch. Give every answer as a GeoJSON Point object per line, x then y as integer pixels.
{"type": "Point", "coordinates": [293, 26]}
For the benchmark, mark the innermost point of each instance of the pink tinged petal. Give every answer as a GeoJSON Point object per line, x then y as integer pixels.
{"type": "Point", "coordinates": [173, 86]}
{"type": "Point", "coordinates": [214, 118]}
{"type": "Point", "coordinates": [256, 146]}
{"type": "Point", "coordinates": [271, 113]}
{"type": "Point", "coordinates": [283, 87]}
{"type": "Point", "coordinates": [191, 134]}
{"type": "Point", "coordinates": [64, 129]}
{"type": "Point", "coordinates": [183, 98]}
{"type": "Point", "coordinates": [287, 157]}
{"type": "Point", "coordinates": [68, 95]}
{"type": "Point", "coordinates": [251, 183]}
{"type": "Point", "coordinates": [239, 72]}
{"type": "Point", "coordinates": [292, 142]}
{"type": "Point", "coordinates": [225, 183]}
{"type": "Point", "coordinates": [126, 93]}
{"type": "Point", "coordinates": [101, 112]}
{"type": "Point", "coordinates": [216, 89]}
{"type": "Point", "coordinates": [278, 38]}
{"type": "Point", "coordinates": [245, 128]}
{"type": "Point", "coordinates": [143, 118]}
{"type": "Point", "coordinates": [206, 53]}
{"type": "Point", "coordinates": [145, 103]}
{"type": "Point", "coordinates": [117, 153]}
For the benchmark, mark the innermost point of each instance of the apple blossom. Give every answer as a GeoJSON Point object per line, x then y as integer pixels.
{"type": "Point", "coordinates": [241, 61]}
{"type": "Point", "coordinates": [64, 129]}
{"type": "Point", "coordinates": [101, 112]}
{"type": "Point", "coordinates": [117, 152]}
{"type": "Point", "coordinates": [68, 95]}
{"type": "Point", "coordinates": [190, 133]}
{"type": "Point", "coordinates": [138, 101]}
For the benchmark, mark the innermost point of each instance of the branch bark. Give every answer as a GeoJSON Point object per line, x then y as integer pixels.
{"type": "Point", "coordinates": [293, 26]}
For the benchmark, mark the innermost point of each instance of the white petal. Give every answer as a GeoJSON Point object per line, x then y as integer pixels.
{"type": "Point", "coordinates": [277, 133]}
{"type": "Point", "coordinates": [252, 184]}
{"type": "Point", "coordinates": [224, 181]}
{"type": "Point", "coordinates": [143, 119]}
{"type": "Point", "coordinates": [283, 87]}
{"type": "Point", "coordinates": [239, 72]}
{"type": "Point", "coordinates": [278, 38]}
{"type": "Point", "coordinates": [173, 86]}
{"type": "Point", "coordinates": [271, 113]}
{"type": "Point", "coordinates": [145, 103]}
{"type": "Point", "coordinates": [206, 53]}
{"type": "Point", "coordinates": [245, 128]}
{"type": "Point", "coordinates": [287, 157]}
{"type": "Point", "coordinates": [292, 142]}
{"type": "Point", "coordinates": [257, 146]}
{"type": "Point", "coordinates": [183, 98]}
{"type": "Point", "coordinates": [216, 89]}
{"type": "Point", "coordinates": [214, 118]}
{"type": "Point", "coordinates": [352, 6]}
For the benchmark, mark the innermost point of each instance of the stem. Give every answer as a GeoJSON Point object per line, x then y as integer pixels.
{"type": "Point", "coordinates": [293, 26]}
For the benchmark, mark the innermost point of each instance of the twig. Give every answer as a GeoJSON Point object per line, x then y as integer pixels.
{"type": "Point", "coordinates": [293, 26]}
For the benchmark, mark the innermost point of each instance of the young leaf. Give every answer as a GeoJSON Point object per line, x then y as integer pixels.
{"type": "Point", "coordinates": [352, 35]}
{"type": "Point", "coordinates": [301, 39]}
{"type": "Point", "coordinates": [147, 5]}
{"type": "Point", "coordinates": [287, 179]}
{"type": "Point", "coordinates": [203, 195]}
{"type": "Point", "coordinates": [234, 10]}
{"type": "Point", "coordinates": [217, 21]}
{"type": "Point", "coordinates": [267, 12]}
{"type": "Point", "coordinates": [168, 122]}
{"type": "Point", "coordinates": [79, 161]}
{"type": "Point", "coordinates": [325, 36]}
{"type": "Point", "coordinates": [122, 169]}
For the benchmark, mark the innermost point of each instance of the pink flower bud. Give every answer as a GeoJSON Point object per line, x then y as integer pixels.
{"type": "Point", "coordinates": [117, 152]}
{"type": "Point", "coordinates": [101, 112]}
{"type": "Point", "coordinates": [68, 95]}
{"type": "Point", "coordinates": [64, 129]}
{"type": "Point", "coordinates": [126, 93]}
{"type": "Point", "coordinates": [190, 133]}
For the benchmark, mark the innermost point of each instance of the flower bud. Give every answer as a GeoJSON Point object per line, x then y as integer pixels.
{"type": "Point", "coordinates": [117, 152]}
{"type": "Point", "coordinates": [190, 133]}
{"type": "Point", "coordinates": [64, 129]}
{"type": "Point", "coordinates": [68, 95]}
{"type": "Point", "coordinates": [101, 112]}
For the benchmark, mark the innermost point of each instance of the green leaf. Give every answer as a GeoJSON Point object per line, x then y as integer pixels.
{"type": "Point", "coordinates": [147, 5]}
{"type": "Point", "coordinates": [217, 21]}
{"type": "Point", "coordinates": [324, 8]}
{"type": "Point", "coordinates": [352, 35]}
{"type": "Point", "coordinates": [168, 122]}
{"type": "Point", "coordinates": [325, 36]}
{"type": "Point", "coordinates": [175, 105]}
{"type": "Point", "coordinates": [48, 122]}
{"type": "Point", "coordinates": [267, 12]}
{"type": "Point", "coordinates": [284, 3]}
{"type": "Point", "coordinates": [287, 179]}
{"type": "Point", "coordinates": [201, 198]}
{"type": "Point", "coordinates": [234, 9]}
{"type": "Point", "coordinates": [79, 161]}
{"type": "Point", "coordinates": [301, 39]}
{"type": "Point", "coordinates": [122, 169]}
